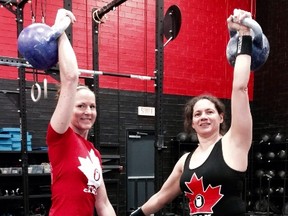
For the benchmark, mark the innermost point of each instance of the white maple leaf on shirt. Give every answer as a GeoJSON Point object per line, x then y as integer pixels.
{"type": "Point", "coordinates": [91, 168]}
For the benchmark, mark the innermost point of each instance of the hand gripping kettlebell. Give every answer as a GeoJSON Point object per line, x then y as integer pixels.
{"type": "Point", "coordinates": [260, 45]}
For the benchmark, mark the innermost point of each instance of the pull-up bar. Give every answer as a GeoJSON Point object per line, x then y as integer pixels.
{"type": "Point", "coordinates": [99, 13]}
{"type": "Point", "coordinates": [134, 76]}
{"type": "Point", "coordinates": [17, 62]}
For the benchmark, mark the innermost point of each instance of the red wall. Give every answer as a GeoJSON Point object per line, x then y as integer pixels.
{"type": "Point", "coordinates": [194, 62]}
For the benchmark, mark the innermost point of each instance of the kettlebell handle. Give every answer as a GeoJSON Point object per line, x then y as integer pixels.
{"type": "Point", "coordinates": [260, 44]}
{"type": "Point", "coordinates": [251, 23]}
{"type": "Point", "coordinates": [60, 27]}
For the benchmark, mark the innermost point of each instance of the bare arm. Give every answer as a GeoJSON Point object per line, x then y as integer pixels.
{"type": "Point", "coordinates": [168, 192]}
{"type": "Point", "coordinates": [239, 137]}
{"type": "Point", "coordinates": [102, 204]}
{"type": "Point", "coordinates": [68, 76]}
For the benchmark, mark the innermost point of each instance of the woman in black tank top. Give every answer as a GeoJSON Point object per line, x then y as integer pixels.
{"type": "Point", "coordinates": [212, 177]}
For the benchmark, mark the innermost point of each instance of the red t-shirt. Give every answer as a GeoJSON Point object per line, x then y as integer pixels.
{"type": "Point", "coordinates": [76, 173]}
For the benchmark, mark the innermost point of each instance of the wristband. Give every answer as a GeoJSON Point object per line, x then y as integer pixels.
{"type": "Point", "coordinates": [137, 212]}
{"type": "Point", "coordinates": [244, 45]}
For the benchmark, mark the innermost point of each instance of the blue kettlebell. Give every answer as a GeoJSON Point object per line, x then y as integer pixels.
{"type": "Point", "coordinates": [260, 45]}
{"type": "Point", "coordinates": [38, 43]}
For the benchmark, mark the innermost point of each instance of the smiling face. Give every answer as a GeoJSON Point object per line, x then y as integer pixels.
{"type": "Point", "coordinates": [205, 118]}
{"type": "Point", "coordinates": [84, 112]}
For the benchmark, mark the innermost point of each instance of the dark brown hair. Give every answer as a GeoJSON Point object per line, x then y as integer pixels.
{"type": "Point", "coordinates": [188, 112]}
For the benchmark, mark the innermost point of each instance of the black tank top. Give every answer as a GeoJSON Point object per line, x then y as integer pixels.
{"type": "Point", "coordinates": [213, 188]}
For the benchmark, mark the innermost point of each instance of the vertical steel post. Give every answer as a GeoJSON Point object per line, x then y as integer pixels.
{"type": "Point", "coordinates": [23, 126]}
{"type": "Point", "coordinates": [23, 115]}
{"type": "Point", "coordinates": [159, 135]}
{"type": "Point", "coordinates": [67, 4]}
{"type": "Point", "coordinates": [95, 39]}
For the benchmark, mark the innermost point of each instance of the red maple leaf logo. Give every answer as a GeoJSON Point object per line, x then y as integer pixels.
{"type": "Point", "coordinates": [201, 201]}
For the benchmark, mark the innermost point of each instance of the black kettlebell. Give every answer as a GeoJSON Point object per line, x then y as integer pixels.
{"type": "Point", "coordinates": [182, 137]}
{"type": "Point", "coordinates": [280, 190]}
{"type": "Point", "coordinates": [282, 174]}
{"type": "Point", "coordinates": [282, 154]}
{"type": "Point", "coordinates": [278, 138]}
{"type": "Point", "coordinates": [260, 173]}
{"type": "Point", "coordinates": [270, 173]}
{"type": "Point", "coordinates": [265, 138]}
{"type": "Point", "coordinates": [259, 156]}
{"type": "Point", "coordinates": [270, 155]}
{"type": "Point", "coordinates": [260, 45]}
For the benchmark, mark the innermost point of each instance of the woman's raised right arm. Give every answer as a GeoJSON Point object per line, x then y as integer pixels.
{"type": "Point", "coordinates": [69, 74]}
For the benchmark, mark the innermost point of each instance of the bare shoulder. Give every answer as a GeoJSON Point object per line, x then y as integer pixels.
{"type": "Point", "coordinates": [180, 163]}
{"type": "Point", "coordinates": [184, 156]}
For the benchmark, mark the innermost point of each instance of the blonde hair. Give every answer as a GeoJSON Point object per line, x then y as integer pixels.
{"type": "Point", "coordinates": [79, 87]}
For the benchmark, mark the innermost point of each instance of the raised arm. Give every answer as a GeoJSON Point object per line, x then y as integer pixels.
{"type": "Point", "coordinates": [240, 133]}
{"type": "Point", "coordinates": [68, 77]}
